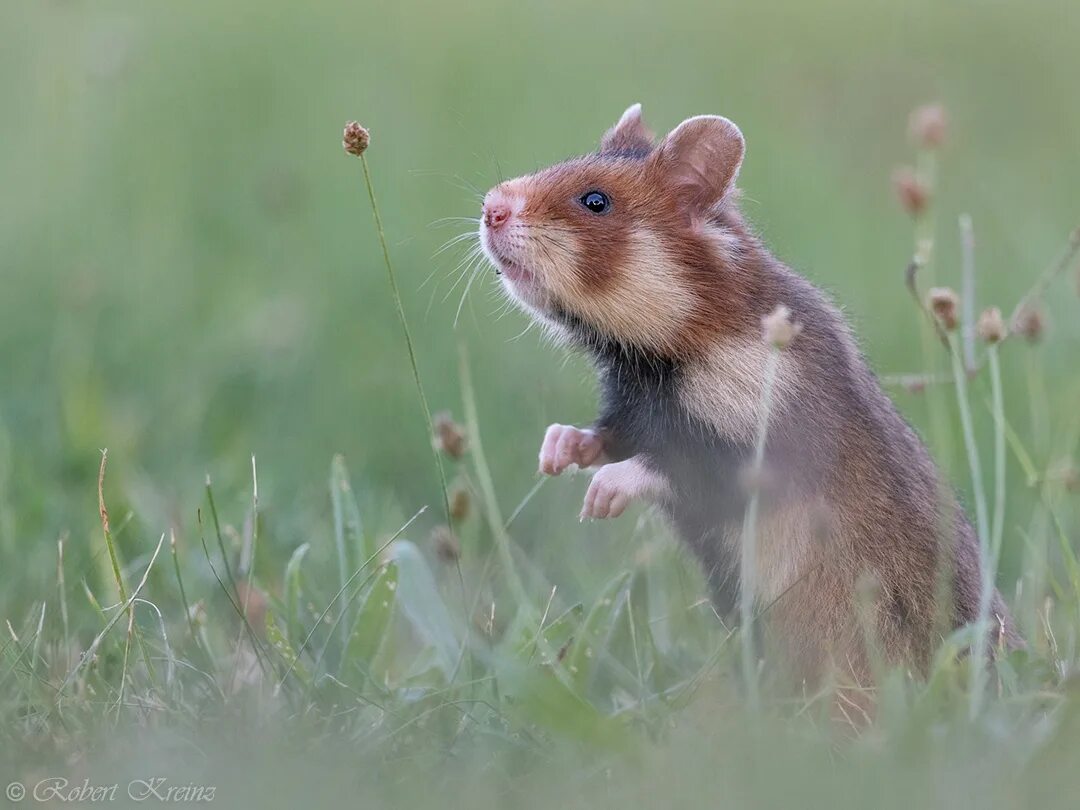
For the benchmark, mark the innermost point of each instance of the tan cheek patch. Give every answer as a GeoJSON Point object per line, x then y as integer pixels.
{"type": "Point", "coordinates": [725, 387]}
{"type": "Point", "coordinates": [646, 304]}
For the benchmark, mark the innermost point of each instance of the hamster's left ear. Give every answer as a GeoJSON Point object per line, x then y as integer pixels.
{"type": "Point", "coordinates": [701, 158]}
{"type": "Point", "coordinates": [629, 135]}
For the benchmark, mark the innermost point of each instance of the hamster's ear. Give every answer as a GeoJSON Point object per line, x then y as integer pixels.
{"type": "Point", "coordinates": [701, 157]}
{"type": "Point", "coordinates": [629, 135]}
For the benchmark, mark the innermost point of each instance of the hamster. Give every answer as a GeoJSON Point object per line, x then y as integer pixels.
{"type": "Point", "coordinates": [638, 255]}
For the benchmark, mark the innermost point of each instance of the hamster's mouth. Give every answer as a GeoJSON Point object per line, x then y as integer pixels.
{"type": "Point", "coordinates": [505, 266]}
{"type": "Point", "coordinates": [518, 279]}
{"type": "Point", "coordinates": [514, 271]}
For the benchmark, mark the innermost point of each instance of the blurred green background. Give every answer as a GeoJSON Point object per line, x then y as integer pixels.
{"type": "Point", "coordinates": [190, 273]}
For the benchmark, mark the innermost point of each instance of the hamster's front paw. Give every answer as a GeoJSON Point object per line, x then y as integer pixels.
{"type": "Point", "coordinates": [565, 445]}
{"type": "Point", "coordinates": [614, 486]}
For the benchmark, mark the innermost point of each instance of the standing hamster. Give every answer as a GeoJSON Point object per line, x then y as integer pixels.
{"type": "Point", "coordinates": [638, 255]}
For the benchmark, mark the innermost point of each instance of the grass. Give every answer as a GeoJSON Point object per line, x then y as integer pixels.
{"type": "Point", "coordinates": [191, 277]}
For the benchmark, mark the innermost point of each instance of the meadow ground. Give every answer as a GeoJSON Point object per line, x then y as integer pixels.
{"type": "Point", "coordinates": [191, 278]}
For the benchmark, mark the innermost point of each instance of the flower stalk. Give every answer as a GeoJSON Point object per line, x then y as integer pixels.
{"type": "Point", "coordinates": [981, 517]}
{"type": "Point", "coordinates": [779, 330]}
{"type": "Point", "coordinates": [991, 550]}
{"type": "Point", "coordinates": [355, 141]}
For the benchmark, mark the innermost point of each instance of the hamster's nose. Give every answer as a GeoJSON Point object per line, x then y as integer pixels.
{"type": "Point", "coordinates": [496, 212]}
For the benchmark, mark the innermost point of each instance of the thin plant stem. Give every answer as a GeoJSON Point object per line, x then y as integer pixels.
{"type": "Point", "coordinates": [396, 293]}
{"type": "Point", "coordinates": [220, 539]}
{"type": "Point", "coordinates": [256, 644]}
{"type": "Point", "coordinates": [748, 562]}
{"type": "Point", "coordinates": [183, 592]}
{"type": "Point", "coordinates": [35, 655]}
{"type": "Point", "coordinates": [254, 532]}
{"type": "Point", "coordinates": [998, 397]}
{"type": "Point", "coordinates": [487, 485]}
{"type": "Point", "coordinates": [1057, 268]}
{"type": "Point", "coordinates": [936, 403]}
{"type": "Point", "coordinates": [967, 290]}
{"type": "Point", "coordinates": [61, 589]}
{"type": "Point", "coordinates": [992, 550]}
{"type": "Point", "coordinates": [924, 257]}
{"type": "Point", "coordinates": [196, 637]}
{"type": "Point", "coordinates": [254, 548]}
{"type": "Point", "coordinates": [408, 334]}
{"type": "Point", "coordinates": [337, 476]}
{"type": "Point", "coordinates": [121, 589]}
{"type": "Point", "coordinates": [109, 545]}
{"type": "Point", "coordinates": [981, 517]}
{"type": "Point", "coordinates": [968, 427]}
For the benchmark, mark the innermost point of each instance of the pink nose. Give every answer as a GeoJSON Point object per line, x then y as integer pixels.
{"type": "Point", "coordinates": [496, 212]}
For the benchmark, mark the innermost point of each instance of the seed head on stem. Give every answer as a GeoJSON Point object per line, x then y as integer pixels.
{"type": "Point", "coordinates": [928, 126]}
{"type": "Point", "coordinates": [911, 191]}
{"type": "Point", "coordinates": [447, 546]}
{"type": "Point", "coordinates": [991, 326]}
{"type": "Point", "coordinates": [449, 436]}
{"type": "Point", "coordinates": [1066, 473]}
{"type": "Point", "coordinates": [460, 502]}
{"type": "Point", "coordinates": [355, 139]}
{"type": "Point", "coordinates": [944, 303]}
{"type": "Point", "coordinates": [1029, 322]}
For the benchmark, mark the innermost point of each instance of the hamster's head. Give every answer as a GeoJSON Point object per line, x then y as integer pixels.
{"type": "Point", "coordinates": [635, 244]}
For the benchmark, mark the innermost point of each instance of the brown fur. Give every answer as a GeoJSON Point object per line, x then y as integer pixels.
{"type": "Point", "coordinates": [856, 522]}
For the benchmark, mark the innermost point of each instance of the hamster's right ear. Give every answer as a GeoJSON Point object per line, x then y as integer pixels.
{"type": "Point", "coordinates": [701, 159]}
{"type": "Point", "coordinates": [629, 135]}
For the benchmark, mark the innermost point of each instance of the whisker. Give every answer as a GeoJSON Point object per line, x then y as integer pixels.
{"type": "Point", "coordinates": [471, 255]}
{"type": "Point", "coordinates": [507, 305]}
{"type": "Point", "coordinates": [437, 267]}
{"type": "Point", "coordinates": [446, 220]}
{"type": "Point", "coordinates": [463, 267]}
{"type": "Point", "coordinates": [455, 180]}
{"type": "Point", "coordinates": [522, 333]}
{"type": "Point", "coordinates": [465, 294]}
{"type": "Point", "coordinates": [449, 243]}
{"type": "Point", "coordinates": [550, 229]}
{"type": "Point", "coordinates": [472, 263]}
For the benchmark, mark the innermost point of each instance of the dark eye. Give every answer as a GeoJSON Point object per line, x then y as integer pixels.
{"type": "Point", "coordinates": [595, 201]}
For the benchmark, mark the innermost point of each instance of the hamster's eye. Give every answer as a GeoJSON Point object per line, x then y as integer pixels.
{"type": "Point", "coordinates": [595, 201]}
